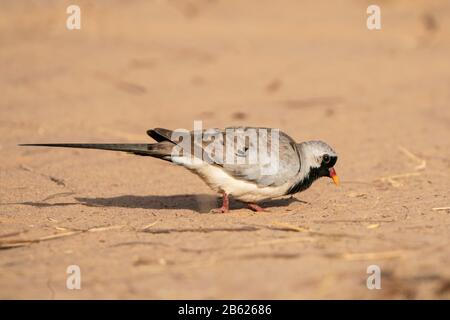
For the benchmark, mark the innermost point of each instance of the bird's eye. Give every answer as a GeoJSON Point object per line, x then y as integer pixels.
{"type": "Point", "coordinates": [326, 158]}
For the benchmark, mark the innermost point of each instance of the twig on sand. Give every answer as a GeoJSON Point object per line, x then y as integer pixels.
{"type": "Point", "coordinates": [280, 226]}
{"type": "Point", "coordinates": [290, 227]}
{"type": "Point", "coordinates": [392, 179]}
{"type": "Point", "coordinates": [421, 163]}
{"type": "Point", "coordinates": [202, 230]}
{"type": "Point", "coordinates": [15, 243]}
{"type": "Point", "coordinates": [441, 209]}
{"type": "Point", "coordinates": [148, 226]}
{"type": "Point", "coordinates": [372, 255]}
{"type": "Point", "coordinates": [98, 229]}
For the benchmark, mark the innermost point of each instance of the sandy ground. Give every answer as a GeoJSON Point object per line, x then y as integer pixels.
{"type": "Point", "coordinates": [140, 228]}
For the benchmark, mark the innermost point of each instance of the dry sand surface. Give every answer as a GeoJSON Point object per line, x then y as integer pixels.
{"type": "Point", "coordinates": [140, 228]}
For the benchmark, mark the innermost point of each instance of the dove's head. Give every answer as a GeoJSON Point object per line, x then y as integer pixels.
{"type": "Point", "coordinates": [320, 158]}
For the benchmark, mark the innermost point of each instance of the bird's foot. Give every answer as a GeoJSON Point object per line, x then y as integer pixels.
{"type": "Point", "coordinates": [225, 205]}
{"type": "Point", "coordinates": [256, 208]}
{"type": "Point", "coordinates": [219, 210]}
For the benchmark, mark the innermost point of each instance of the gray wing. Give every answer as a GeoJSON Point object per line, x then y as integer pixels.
{"type": "Point", "coordinates": [270, 159]}
{"type": "Point", "coordinates": [265, 156]}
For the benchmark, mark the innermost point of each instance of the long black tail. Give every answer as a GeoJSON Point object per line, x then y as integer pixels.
{"type": "Point", "coordinates": [142, 149]}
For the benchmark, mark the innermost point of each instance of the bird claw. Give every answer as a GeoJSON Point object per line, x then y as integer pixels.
{"type": "Point", "coordinates": [219, 210]}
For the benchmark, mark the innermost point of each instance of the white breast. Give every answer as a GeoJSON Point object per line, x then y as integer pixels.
{"type": "Point", "coordinates": [219, 180]}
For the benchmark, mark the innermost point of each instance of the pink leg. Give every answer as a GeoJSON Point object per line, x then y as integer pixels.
{"type": "Point", "coordinates": [225, 204]}
{"type": "Point", "coordinates": [255, 207]}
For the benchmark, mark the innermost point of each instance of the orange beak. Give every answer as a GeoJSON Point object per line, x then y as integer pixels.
{"type": "Point", "coordinates": [334, 176]}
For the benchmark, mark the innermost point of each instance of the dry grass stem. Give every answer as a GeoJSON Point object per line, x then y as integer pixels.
{"type": "Point", "coordinates": [373, 255]}
{"type": "Point", "coordinates": [421, 163]}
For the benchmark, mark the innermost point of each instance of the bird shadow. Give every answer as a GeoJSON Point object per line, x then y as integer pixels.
{"type": "Point", "coordinates": [201, 203]}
